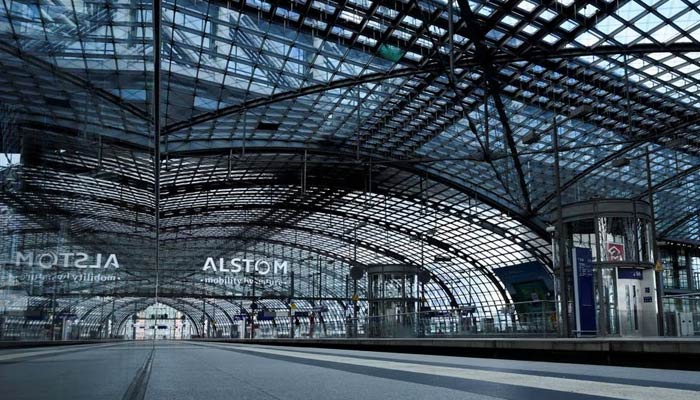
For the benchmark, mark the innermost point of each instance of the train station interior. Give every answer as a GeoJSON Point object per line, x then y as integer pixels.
{"type": "Point", "coordinates": [301, 199]}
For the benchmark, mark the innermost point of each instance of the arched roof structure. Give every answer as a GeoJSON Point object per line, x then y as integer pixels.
{"type": "Point", "coordinates": [338, 133]}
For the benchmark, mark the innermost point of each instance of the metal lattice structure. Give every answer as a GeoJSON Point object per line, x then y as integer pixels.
{"type": "Point", "coordinates": [338, 133]}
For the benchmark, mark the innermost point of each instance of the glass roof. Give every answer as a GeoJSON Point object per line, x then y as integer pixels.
{"type": "Point", "coordinates": [351, 132]}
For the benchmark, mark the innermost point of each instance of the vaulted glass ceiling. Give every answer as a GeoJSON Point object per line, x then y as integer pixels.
{"type": "Point", "coordinates": [341, 131]}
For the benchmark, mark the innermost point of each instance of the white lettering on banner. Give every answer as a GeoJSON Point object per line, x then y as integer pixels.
{"type": "Point", "coordinates": [22, 258]}
{"type": "Point", "coordinates": [66, 260]}
{"type": "Point", "coordinates": [46, 260]}
{"type": "Point", "coordinates": [76, 277]}
{"type": "Point", "coordinates": [112, 261]}
{"type": "Point", "coordinates": [247, 265]}
{"type": "Point", "coordinates": [259, 264]}
{"type": "Point", "coordinates": [247, 262]}
{"type": "Point", "coordinates": [280, 267]}
{"type": "Point", "coordinates": [221, 266]}
{"type": "Point", "coordinates": [82, 258]}
{"type": "Point", "coordinates": [236, 263]}
{"type": "Point", "coordinates": [231, 281]}
{"type": "Point", "coordinates": [209, 264]}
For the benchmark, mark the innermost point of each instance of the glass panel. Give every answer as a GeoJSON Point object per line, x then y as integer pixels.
{"type": "Point", "coordinates": [77, 232]}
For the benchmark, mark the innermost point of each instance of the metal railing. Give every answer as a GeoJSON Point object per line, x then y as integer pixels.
{"type": "Point", "coordinates": [682, 315]}
{"type": "Point", "coordinates": [534, 319]}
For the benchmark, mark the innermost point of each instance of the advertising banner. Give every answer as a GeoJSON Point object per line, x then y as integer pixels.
{"type": "Point", "coordinates": [583, 291]}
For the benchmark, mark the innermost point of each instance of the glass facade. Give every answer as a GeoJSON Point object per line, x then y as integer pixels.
{"type": "Point", "coordinates": [253, 134]}
{"type": "Point", "coordinates": [623, 284]}
{"type": "Point", "coordinates": [681, 266]}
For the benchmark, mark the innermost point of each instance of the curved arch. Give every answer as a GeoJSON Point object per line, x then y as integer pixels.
{"type": "Point", "coordinates": [397, 256]}
{"type": "Point", "coordinates": [148, 301]}
{"type": "Point", "coordinates": [370, 247]}
{"type": "Point", "coordinates": [391, 226]}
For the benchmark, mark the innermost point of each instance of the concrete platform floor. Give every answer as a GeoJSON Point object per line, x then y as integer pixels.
{"type": "Point", "coordinates": [213, 371]}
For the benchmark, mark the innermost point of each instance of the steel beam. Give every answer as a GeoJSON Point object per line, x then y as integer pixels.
{"type": "Point", "coordinates": [434, 67]}
{"type": "Point", "coordinates": [617, 154]}
{"type": "Point", "coordinates": [72, 79]}
{"type": "Point", "coordinates": [677, 223]}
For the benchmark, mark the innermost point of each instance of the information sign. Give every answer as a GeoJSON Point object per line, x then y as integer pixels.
{"type": "Point", "coordinates": [583, 291]}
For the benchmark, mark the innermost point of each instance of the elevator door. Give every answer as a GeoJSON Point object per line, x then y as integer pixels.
{"type": "Point", "coordinates": [630, 323]}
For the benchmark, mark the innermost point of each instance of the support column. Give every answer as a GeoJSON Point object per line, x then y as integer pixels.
{"type": "Point", "coordinates": [559, 235]}
{"type": "Point", "coordinates": [657, 274]}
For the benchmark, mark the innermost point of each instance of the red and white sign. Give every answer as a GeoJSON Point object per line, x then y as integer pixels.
{"type": "Point", "coordinates": [616, 251]}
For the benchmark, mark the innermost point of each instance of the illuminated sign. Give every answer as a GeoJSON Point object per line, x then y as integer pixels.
{"type": "Point", "coordinates": [247, 265]}
{"type": "Point", "coordinates": [66, 260]}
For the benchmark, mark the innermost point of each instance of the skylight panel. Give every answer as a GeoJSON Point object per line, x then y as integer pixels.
{"type": "Point", "coordinates": [674, 61]}
{"type": "Point", "coordinates": [551, 39]}
{"type": "Point", "coordinates": [547, 15]}
{"type": "Point", "coordinates": [688, 69]}
{"type": "Point", "coordinates": [460, 39]}
{"type": "Point", "coordinates": [351, 17]}
{"type": "Point", "coordinates": [630, 11]}
{"type": "Point", "coordinates": [510, 20]}
{"type": "Point", "coordinates": [648, 22]}
{"type": "Point", "coordinates": [608, 25]}
{"type": "Point", "coordinates": [588, 10]}
{"type": "Point", "coordinates": [485, 11]}
{"type": "Point", "coordinates": [388, 12]}
{"type": "Point", "coordinates": [530, 29]}
{"type": "Point", "coordinates": [627, 35]}
{"type": "Point", "coordinates": [688, 20]}
{"type": "Point", "coordinates": [514, 42]}
{"type": "Point", "coordinates": [494, 34]}
{"type": "Point", "coordinates": [408, 20]}
{"type": "Point", "coordinates": [366, 40]}
{"type": "Point", "coordinates": [401, 34]}
{"type": "Point", "coordinates": [671, 8]}
{"type": "Point", "coordinates": [526, 5]}
{"type": "Point", "coordinates": [413, 56]}
{"type": "Point", "coordinates": [568, 25]}
{"type": "Point", "coordinates": [659, 56]}
{"type": "Point", "coordinates": [665, 34]}
{"type": "Point", "coordinates": [424, 43]}
{"type": "Point", "coordinates": [437, 30]}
